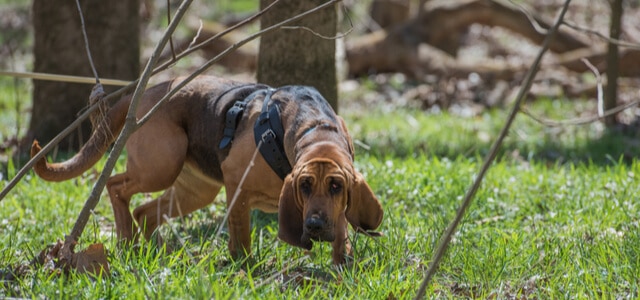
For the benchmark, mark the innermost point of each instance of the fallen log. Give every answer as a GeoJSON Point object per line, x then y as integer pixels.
{"type": "Point", "coordinates": [441, 25]}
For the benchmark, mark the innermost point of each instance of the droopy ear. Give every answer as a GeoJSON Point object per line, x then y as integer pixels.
{"type": "Point", "coordinates": [364, 211]}
{"type": "Point", "coordinates": [290, 216]}
{"type": "Point", "coordinates": [346, 133]}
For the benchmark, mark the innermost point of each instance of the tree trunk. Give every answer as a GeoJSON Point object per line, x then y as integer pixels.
{"type": "Point", "coordinates": [611, 92]}
{"type": "Point", "coordinates": [113, 31]}
{"type": "Point", "coordinates": [297, 56]}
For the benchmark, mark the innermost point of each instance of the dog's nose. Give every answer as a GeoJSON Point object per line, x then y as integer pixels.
{"type": "Point", "coordinates": [314, 223]}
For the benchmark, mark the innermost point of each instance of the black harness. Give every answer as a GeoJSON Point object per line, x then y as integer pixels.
{"type": "Point", "coordinates": [268, 131]}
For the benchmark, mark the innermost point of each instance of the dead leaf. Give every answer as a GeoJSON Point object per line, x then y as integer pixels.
{"type": "Point", "coordinates": [60, 257]}
{"type": "Point", "coordinates": [92, 260]}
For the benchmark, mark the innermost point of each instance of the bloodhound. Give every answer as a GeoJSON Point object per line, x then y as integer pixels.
{"type": "Point", "coordinates": [204, 138]}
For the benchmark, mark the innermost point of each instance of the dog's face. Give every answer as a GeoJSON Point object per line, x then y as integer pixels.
{"type": "Point", "coordinates": [321, 194]}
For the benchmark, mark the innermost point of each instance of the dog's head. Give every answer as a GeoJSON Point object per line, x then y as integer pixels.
{"type": "Point", "coordinates": [322, 193]}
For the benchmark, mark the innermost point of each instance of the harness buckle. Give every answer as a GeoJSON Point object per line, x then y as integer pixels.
{"type": "Point", "coordinates": [268, 135]}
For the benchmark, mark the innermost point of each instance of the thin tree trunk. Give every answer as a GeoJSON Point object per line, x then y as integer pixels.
{"type": "Point", "coordinates": [113, 32]}
{"type": "Point", "coordinates": [298, 56]}
{"type": "Point", "coordinates": [611, 92]}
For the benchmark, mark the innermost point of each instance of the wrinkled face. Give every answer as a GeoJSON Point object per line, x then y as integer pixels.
{"type": "Point", "coordinates": [321, 188]}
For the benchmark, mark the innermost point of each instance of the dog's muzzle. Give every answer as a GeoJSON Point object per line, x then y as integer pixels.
{"type": "Point", "coordinates": [317, 228]}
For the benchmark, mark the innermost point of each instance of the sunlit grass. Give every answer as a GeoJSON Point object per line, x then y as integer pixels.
{"type": "Point", "coordinates": [406, 132]}
{"type": "Point", "coordinates": [557, 217]}
{"type": "Point", "coordinates": [534, 230]}
{"type": "Point", "coordinates": [14, 107]}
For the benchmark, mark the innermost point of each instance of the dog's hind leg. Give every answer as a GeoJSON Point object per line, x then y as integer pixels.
{"type": "Point", "coordinates": [192, 190]}
{"type": "Point", "coordinates": [156, 155]}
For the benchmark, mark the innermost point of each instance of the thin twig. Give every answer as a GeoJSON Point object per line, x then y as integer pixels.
{"type": "Point", "coordinates": [536, 25]}
{"type": "Point", "coordinates": [451, 229]}
{"type": "Point", "coordinates": [216, 37]}
{"type": "Point", "coordinates": [579, 121]}
{"type": "Point", "coordinates": [63, 78]}
{"type": "Point", "coordinates": [598, 84]}
{"type": "Point", "coordinates": [608, 39]}
{"type": "Point", "coordinates": [173, 51]}
{"type": "Point", "coordinates": [335, 37]}
{"type": "Point", "coordinates": [195, 38]}
{"type": "Point", "coordinates": [238, 190]}
{"type": "Point", "coordinates": [86, 42]}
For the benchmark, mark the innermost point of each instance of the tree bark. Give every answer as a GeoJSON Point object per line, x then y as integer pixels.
{"type": "Point", "coordinates": [59, 48]}
{"type": "Point", "coordinates": [297, 56]}
{"type": "Point", "coordinates": [611, 91]}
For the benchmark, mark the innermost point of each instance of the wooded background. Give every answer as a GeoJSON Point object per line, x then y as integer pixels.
{"type": "Point", "coordinates": [472, 52]}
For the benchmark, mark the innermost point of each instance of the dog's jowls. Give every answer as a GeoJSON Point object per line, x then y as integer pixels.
{"type": "Point", "coordinates": [177, 152]}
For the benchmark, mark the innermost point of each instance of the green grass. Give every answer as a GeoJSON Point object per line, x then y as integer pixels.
{"type": "Point", "coordinates": [557, 217]}
{"type": "Point", "coordinates": [13, 107]}
{"type": "Point", "coordinates": [405, 132]}
{"type": "Point", "coordinates": [538, 231]}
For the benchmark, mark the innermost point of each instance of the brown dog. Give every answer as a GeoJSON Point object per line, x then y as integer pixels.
{"type": "Point", "coordinates": [181, 150]}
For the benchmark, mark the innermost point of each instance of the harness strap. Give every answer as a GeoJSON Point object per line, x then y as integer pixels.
{"type": "Point", "coordinates": [233, 116]}
{"type": "Point", "coordinates": [268, 130]}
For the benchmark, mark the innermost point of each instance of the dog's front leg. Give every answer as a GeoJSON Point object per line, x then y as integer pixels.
{"type": "Point", "coordinates": [239, 230]}
{"type": "Point", "coordinates": [341, 245]}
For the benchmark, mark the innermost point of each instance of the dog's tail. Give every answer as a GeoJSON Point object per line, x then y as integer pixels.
{"type": "Point", "coordinates": [103, 135]}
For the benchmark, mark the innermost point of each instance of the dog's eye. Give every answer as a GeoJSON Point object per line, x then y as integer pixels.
{"type": "Point", "coordinates": [335, 187]}
{"type": "Point", "coordinates": [305, 187]}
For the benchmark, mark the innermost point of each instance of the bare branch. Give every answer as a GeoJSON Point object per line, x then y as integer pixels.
{"type": "Point", "coordinates": [63, 78]}
{"type": "Point", "coordinates": [598, 85]}
{"type": "Point", "coordinates": [86, 42]}
{"type": "Point", "coordinates": [468, 199]}
{"type": "Point", "coordinates": [337, 36]}
{"type": "Point", "coordinates": [173, 51]}
{"type": "Point", "coordinates": [195, 38]}
{"type": "Point", "coordinates": [618, 42]}
{"type": "Point", "coordinates": [215, 37]}
{"type": "Point", "coordinates": [536, 25]}
{"type": "Point", "coordinates": [579, 121]}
